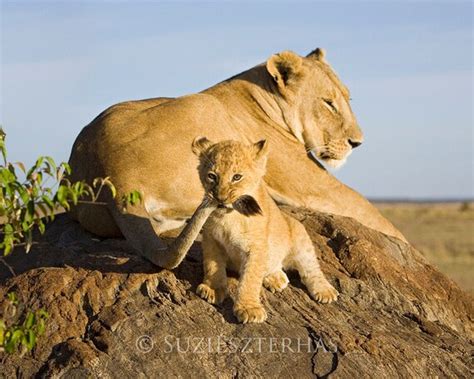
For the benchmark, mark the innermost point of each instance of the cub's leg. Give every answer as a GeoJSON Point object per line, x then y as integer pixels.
{"type": "Point", "coordinates": [276, 281]}
{"type": "Point", "coordinates": [303, 259]}
{"type": "Point", "coordinates": [248, 307]}
{"type": "Point", "coordinates": [214, 286]}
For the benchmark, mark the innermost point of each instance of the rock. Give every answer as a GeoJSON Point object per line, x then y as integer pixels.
{"type": "Point", "coordinates": [113, 314]}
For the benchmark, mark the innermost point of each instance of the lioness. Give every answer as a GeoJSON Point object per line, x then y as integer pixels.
{"type": "Point", "coordinates": [257, 240]}
{"type": "Point", "coordinates": [297, 103]}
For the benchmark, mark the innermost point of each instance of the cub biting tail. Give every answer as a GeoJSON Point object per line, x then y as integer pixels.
{"type": "Point", "coordinates": [248, 233]}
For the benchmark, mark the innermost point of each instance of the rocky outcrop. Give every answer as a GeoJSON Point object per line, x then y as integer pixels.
{"type": "Point", "coordinates": [115, 315]}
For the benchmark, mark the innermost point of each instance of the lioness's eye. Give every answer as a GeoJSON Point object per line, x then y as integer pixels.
{"type": "Point", "coordinates": [331, 105]}
{"type": "Point", "coordinates": [236, 177]}
{"type": "Point", "coordinates": [211, 176]}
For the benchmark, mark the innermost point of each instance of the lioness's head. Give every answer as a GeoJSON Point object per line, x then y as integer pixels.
{"type": "Point", "coordinates": [315, 105]}
{"type": "Point", "coordinates": [231, 171]}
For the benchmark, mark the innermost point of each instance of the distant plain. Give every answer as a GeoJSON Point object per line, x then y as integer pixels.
{"type": "Point", "coordinates": [442, 232]}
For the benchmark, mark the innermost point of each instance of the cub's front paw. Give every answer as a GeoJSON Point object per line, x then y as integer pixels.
{"type": "Point", "coordinates": [250, 313]}
{"type": "Point", "coordinates": [324, 293]}
{"type": "Point", "coordinates": [276, 282]}
{"type": "Point", "coordinates": [213, 296]}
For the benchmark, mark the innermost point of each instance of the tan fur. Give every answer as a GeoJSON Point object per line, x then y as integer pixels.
{"type": "Point", "coordinates": [171, 256]}
{"type": "Point", "coordinates": [259, 247]}
{"type": "Point", "coordinates": [144, 145]}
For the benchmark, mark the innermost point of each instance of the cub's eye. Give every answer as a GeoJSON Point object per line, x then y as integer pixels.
{"type": "Point", "coordinates": [330, 104]}
{"type": "Point", "coordinates": [236, 177]}
{"type": "Point", "coordinates": [212, 177]}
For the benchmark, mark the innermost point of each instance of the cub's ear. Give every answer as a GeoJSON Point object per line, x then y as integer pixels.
{"type": "Point", "coordinates": [319, 54]}
{"type": "Point", "coordinates": [284, 67]}
{"type": "Point", "coordinates": [201, 144]}
{"type": "Point", "coordinates": [260, 149]}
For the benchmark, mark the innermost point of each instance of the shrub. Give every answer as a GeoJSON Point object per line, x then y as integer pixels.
{"type": "Point", "coordinates": [31, 202]}
{"type": "Point", "coordinates": [16, 334]}
{"type": "Point", "coordinates": [27, 204]}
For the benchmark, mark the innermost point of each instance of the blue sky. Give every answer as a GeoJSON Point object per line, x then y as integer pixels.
{"type": "Point", "coordinates": [408, 65]}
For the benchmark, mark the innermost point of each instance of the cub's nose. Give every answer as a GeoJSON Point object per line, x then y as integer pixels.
{"type": "Point", "coordinates": [220, 198]}
{"type": "Point", "coordinates": [354, 144]}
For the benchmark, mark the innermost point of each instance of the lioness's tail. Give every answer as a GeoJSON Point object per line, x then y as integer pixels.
{"type": "Point", "coordinates": [171, 256]}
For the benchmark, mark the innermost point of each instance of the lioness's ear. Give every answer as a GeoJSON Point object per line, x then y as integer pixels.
{"type": "Point", "coordinates": [201, 144]}
{"type": "Point", "coordinates": [284, 67]}
{"type": "Point", "coordinates": [318, 54]}
{"type": "Point", "coordinates": [260, 149]}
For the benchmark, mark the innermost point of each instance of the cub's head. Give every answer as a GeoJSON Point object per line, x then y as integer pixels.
{"type": "Point", "coordinates": [231, 172]}
{"type": "Point", "coordinates": [315, 105]}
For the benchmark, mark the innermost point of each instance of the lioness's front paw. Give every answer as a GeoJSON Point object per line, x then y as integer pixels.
{"type": "Point", "coordinates": [325, 293]}
{"type": "Point", "coordinates": [213, 296]}
{"type": "Point", "coordinates": [276, 282]}
{"type": "Point", "coordinates": [252, 313]}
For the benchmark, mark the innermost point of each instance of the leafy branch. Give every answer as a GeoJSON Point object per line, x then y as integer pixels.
{"type": "Point", "coordinates": [28, 204]}
{"type": "Point", "coordinates": [15, 334]}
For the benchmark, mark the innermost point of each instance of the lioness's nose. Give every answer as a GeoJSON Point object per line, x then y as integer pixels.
{"type": "Point", "coordinates": [354, 144]}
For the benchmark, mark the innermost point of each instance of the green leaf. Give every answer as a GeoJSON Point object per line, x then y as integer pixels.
{"type": "Point", "coordinates": [61, 195]}
{"type": "Point", "coordinates": [51, 165]}
{"type": "Point", "coordinates": [42, 314]}
{"type": "Point", "coordinates": [12, 297]}
{"type": "Point", "coordinates": [17, 336]}
{"type": "Point", "coordinates": [8, 229]}
{"type": "Point", "coordinates": [40, 327]}
{"type": "Point", "coordinates": [131, 198]}
{"type": "Point", "coordinates": [6, 176]}
{"type": "Point", "coordinates": [65, 166]}
{"type": "Point", "coordinates": [96, 182]}
{"type": "Point", "coordinates": [29, 320]}
{"type": "Point", "coordinates": [30, 339]}
{"type": "Point", "coordinates": [11, 168]}
{"type": "Point", "coordinates": [8, 247]}
{"type": "Point", "coordinates": [3, 148]}
{"type": "Point", "coordinates": [38, 178]}
{"type": "Point", "coordinates": [10, 345]}
{"type": "Point", "coordinates": [33, 169]}
{"type": "Point", "coordinates": [8, 239]}
{"type": "Point", "coordinates": [78, 187]}
{"type": "Point", "coordinates": [136, 197]}
{"type": "Point", "coordinates": [24, 195]}
{"type": "Point", "coordinates": [74, 197]}
{"type": "Point", "coordinates": [49, 202]}
{"type": "Point", "coordinates": [39, 162]}
{"type": "Point", "coordinates": [41, 227]}
{"type": "Point", "coordinates": [111, 186]}
{"type": "Point", "coordinates": [2, 332]}
{"type": "Point", "coordinates": [21, 166]}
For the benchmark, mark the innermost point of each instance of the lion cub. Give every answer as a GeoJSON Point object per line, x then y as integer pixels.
{"type": "Point", "coordinates": [248, 232]}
